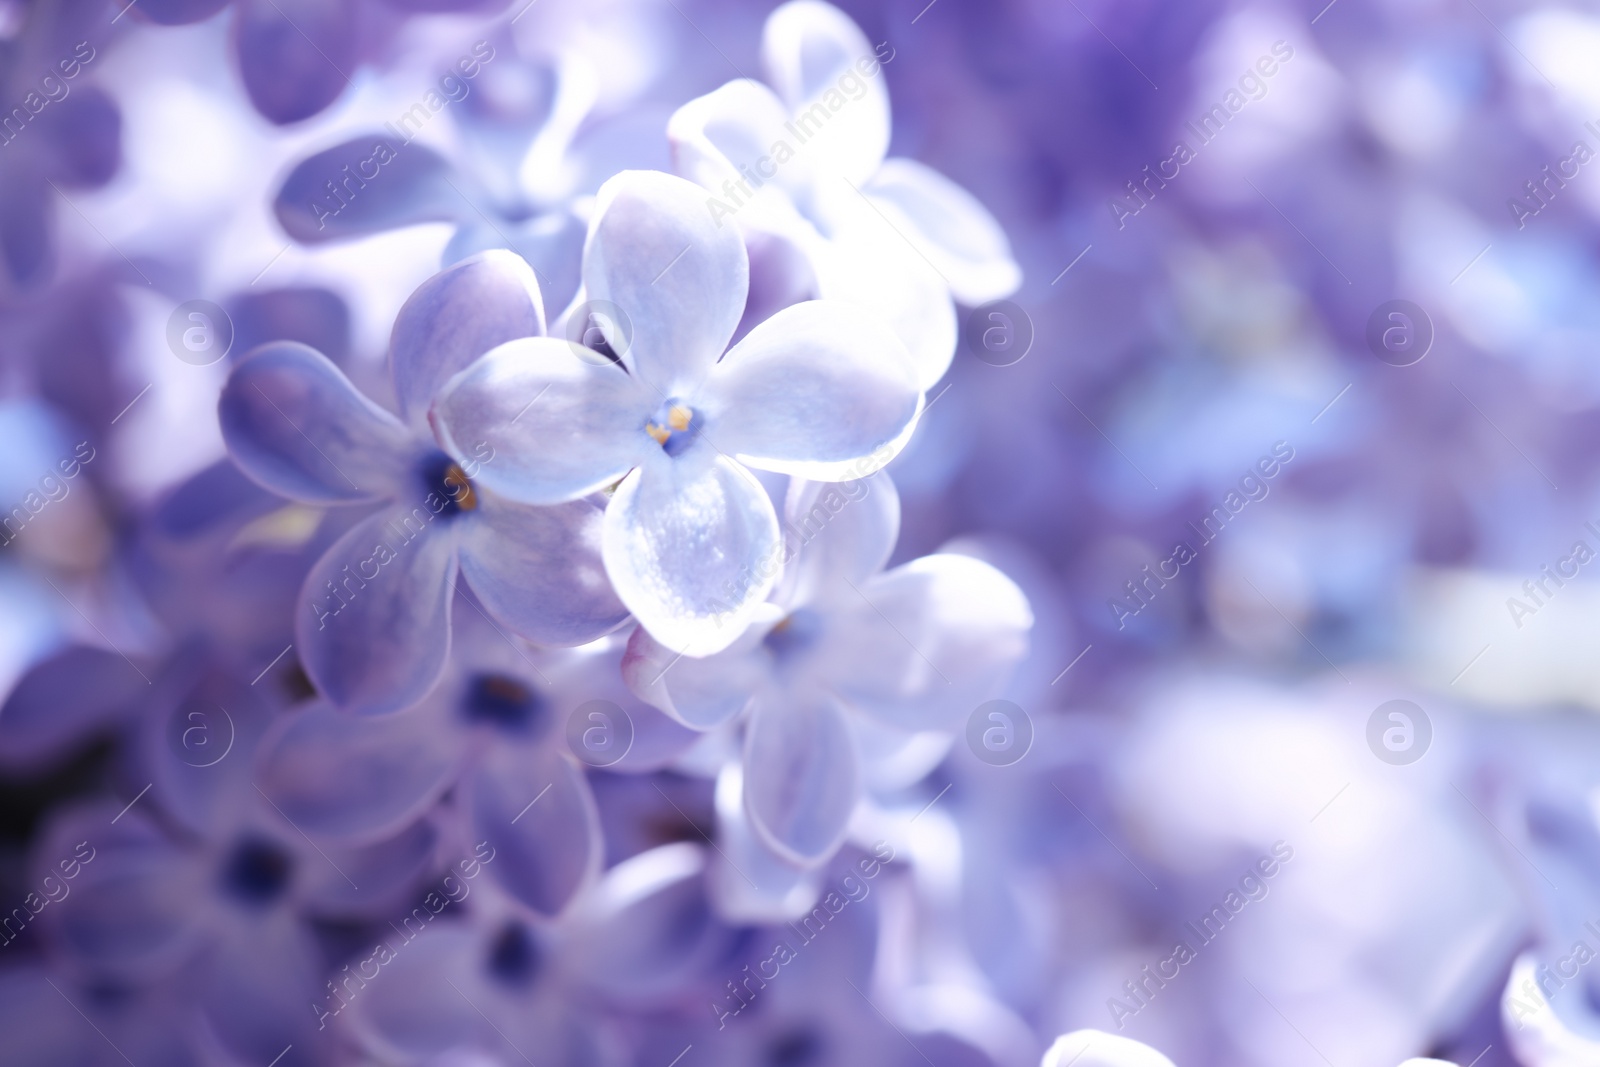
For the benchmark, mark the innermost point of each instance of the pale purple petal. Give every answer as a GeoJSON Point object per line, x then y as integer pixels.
{"type": "Point", "coordinates": [379, 183]}
{"type": "Point", "coordinates": [829, 76]}
{"type": "Point", "coordinates": [700, 693]}
{"type": "Point", "coordinates": [131, 910]}
{"type": "Point", "coordinates": [62, 699]}
{"type": "Point", "coordinates": [925, 643]}
{"type": "Point", "coordinates": [294, 423]}
{"type": "Point", "coordinates": [647, 929]}
{"type": "Point", "coordinates": [535, 808]}
{"type": "Point", "coordinates": [838, 535]}
{"type": "Point", "coordinates": [413, 1013]}
{"type": "Point", "coordinates": [678, 277]}
{"type": "Point", "coordinates": [820, 390]}
{"type": "Point", "coordinates": [358, 778]}
{"type": "Point", "coordinates": [456, 316]}
{"type": "Point", "coordinates": [724, 142]}
{"type": "Point", "coordinates": [870, 264]}
{"type": "Point", "coordinates": [802, 775]}
{"type": "Point", "coordinates": [538, 569]}
{"type": "Point", "coordinates": [750, 882]}
{"type": "Point", "coordinates": [950, 227]}
{"type": "Point", "coordinates": [373, 625]}
{"type": "Point", "coordinates": [295, 56]}
{"type": "Point", "coordinates": [559, 425]}
{"type": "Point", "coordinates": [690, 545]}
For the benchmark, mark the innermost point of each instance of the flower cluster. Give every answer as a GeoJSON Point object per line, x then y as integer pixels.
{"type": "Point", "coordinates": [684, 533]}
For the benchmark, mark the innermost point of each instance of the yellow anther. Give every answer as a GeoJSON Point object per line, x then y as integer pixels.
{"type": "Point", "coordinates": [660, 433]}
{"type": "Point", "coordinates": [678, 417]}
{"type": "Point", "coordinates": [460, 487]}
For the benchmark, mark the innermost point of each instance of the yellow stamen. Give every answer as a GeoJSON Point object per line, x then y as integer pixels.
{"type": "Point", "coordinates": [461, 490]}
{"type": "Point", "coordinates": [678, 417]}
{"type": "Point", "coordinates": [660, 433]}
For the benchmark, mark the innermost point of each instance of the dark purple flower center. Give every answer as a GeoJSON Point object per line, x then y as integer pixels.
{"type": "Point", "coordinates": [795, 1048]}
{"type": "Point", "coordinates": [257, 871]}
{"type": "Point", "coordinates": [795, 633]}
{"type": "Point", "coordinates": [444, 476]}
{"type": "Point", "coordinates": [514, 957]}
{"type": "Point", "coordinates": [503, 701]}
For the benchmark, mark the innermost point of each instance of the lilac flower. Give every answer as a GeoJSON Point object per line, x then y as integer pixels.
{"type": "Point", "coordinates": [201, 885]}
{"type": "Point", "coordinates": [842, 647]}
{"type": "Point", "coordinates": [499, 989]}
{"type": "Point", "coordinates": [492, 734]}
{"type": "Point", "coordinates": [373, 629]}
{"type": "Point", "coordinates": [820, 390]}
{"type": "Point", "coordinates": [531, 153]}
{"type": "Point", "coordinates": [804, 163]}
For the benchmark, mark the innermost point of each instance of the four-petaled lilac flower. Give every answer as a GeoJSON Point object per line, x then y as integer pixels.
{"type": "Point", "coordinates": [819, 390]}
{"type": "Point", "coordinates": [373, 629]}
{"type": "Point", "coordinates": [843, 647]}
{"type": "Point", "coordinates": [806, 165]}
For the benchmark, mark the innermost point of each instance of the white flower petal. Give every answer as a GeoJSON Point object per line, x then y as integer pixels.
{"type": "Point", "coordinates": [678, 279]}
{"type": "Point", "coordinates": [840, 535]}
{"type": "Point", "coordinates": [700, 693]}
{"type": "Point", "coordinates": [554, 424]}
{"type": "Point", "coordinates": [820, 390]}
{"type": "Point", "coordinates": [1095, 1048]}
{"type": "Point", "coordinates": [802, 776]}
{"type": "Point", "coordinates": [692, 548]}
{"type": "Point", "coordinates": [829, 76]}
{"type": "Point", "coordinates": [728, 142]}
{"type": "Point", "coordinates": [871, 264]}
{"type": "Point", "coordinates": [950, 227]}
{"type": "Point", "coordinates": [925, 643]}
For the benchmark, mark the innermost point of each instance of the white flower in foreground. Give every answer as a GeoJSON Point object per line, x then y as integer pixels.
{"type": "Point", "coordinates": [820, 391]}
